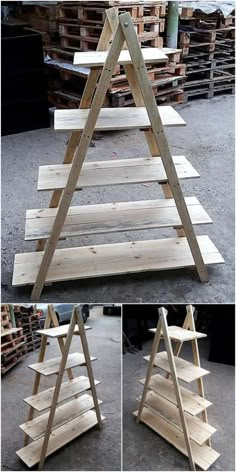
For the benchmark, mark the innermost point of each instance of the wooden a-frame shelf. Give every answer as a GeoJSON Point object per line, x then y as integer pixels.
{"type": "Point", "coordinates": [62, 423]}
{"type": "Point", "coordinates": [170, 409]}
{"type": "Point", "coordinates": [118, 44]}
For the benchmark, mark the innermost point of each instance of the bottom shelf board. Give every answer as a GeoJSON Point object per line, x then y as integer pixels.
{"type": "Point", "coordinates": [198, 430]}
{"type": "Point", "coordinates": [204, 456]}
{"type": "Point", "coordinates": [193, 403]}
{"type": "Point", "coordinates": [30, 454]}
{"type": "Point", "coordinates": [36, 428]}
{"type": "Point", "coordinates": [113, 259]}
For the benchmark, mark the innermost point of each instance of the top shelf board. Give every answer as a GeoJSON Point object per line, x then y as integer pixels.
{"type": "Point", "coordinates": [59, 331]}
{"type": "Point", "coordinates": [98, 58]}
{"type": "Point", "coordinates": [180, 334]}
{"type": "Point", "coordinates": [115, 118]}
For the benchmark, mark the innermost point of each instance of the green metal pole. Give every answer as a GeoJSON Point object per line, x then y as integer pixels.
{"type": "Point", "coordinates": [172, 24]}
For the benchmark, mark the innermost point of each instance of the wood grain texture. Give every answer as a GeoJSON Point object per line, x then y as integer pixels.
{"type": "Point", "coordinates": [114, 118]}
{"type": "Point", "coordinates": [51, 366]}
{"type": "Point", "coordinates": [59, 331]}
{"type": "Point", "coordinates": [180, 334]}
{"type": "Point", "coordinates": [115, 172]}
{"type": "Point", "coordinates": [98, 58]}
{"type": "Point", "coordinates": [111, 259]}
{"type": "Point", "coordinates": [112, 217]}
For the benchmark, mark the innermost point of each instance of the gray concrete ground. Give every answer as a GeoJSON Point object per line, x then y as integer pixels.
{"type": "Point", "coordinates": [94, 450]}
{"type": "Point", "coordinates": [207, 141]}
{"type": "Point", "coordinates": [144, 449]}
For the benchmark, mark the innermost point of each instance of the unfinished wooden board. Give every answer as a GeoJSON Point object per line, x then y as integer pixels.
{"type": "Point", "coordinates": [43, 400]}
{"type": "Point", "coordinates": [6, 332]}
{"type": "Point", "coordinates": [64, 413]}
{"type": "Point", "coordinates": [186, 371]}
{"type": "Point", "coordinates": [98, 58]}
{"type": "Point", "coordinates": [30, 454]}
{"type": "Point", "coordinates": [111, 259]}
{"type": "Point", "coordinates": [114, 118]}
{"type": "Point", "coordinates": [52, 366]}
{"type": "Point", "coordinates": [59, 331]}
{"type": "Point", "coordinates": [193, 403]}
{"type": "Point", "coordinates": [115, 172]}
{"type": "Point", "coordinates": [203, 456]}
{"type": "Point", "coordinates": [197, 429]}
{"type": "Point", "coordinates": [180, 334]}
{"type": "Point", "coordinates": [112, 217]}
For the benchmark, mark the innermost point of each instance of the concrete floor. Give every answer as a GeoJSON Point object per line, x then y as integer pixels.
{"type": "Point", "coordinates": [146, 450]}
{"type": "Point", "coordinates": [207, 141]}
{"type": "Point", "coordinates": [94, 450]}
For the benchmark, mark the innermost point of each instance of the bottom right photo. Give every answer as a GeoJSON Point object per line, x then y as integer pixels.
{"type": "Point", "coordinates": [178, 387]}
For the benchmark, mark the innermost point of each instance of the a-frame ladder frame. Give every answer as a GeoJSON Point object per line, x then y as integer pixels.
{"type": "Point", "coordinates": [75, 318]}
{"type": "Point", "coordinates": [162, 329]}
{"type": "Point", "coordinates": [124, 32]}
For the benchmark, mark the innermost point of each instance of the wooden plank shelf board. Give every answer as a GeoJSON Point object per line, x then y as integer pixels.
{"type": "Point", "coordinates": [43, 400]}
{"type": "Point", "coordinates": [193, 403]}
{"type": "Point", "coordinates": [186, 371]}
{"type": "Point", "coordinates": [197, 429]}
{"type": "Point", "coordinates": [118, 172]}
{"type": "Point", "coordinates": [114, 118]}
{"type": "Point", "coordinates": [203, 456]}
{"type": "Point", "coordinates": [180, 334]}
{"type": "Point", "coordinates": [59, 331]}
{"type": "Point", "coordinates": [52, 366]}
{"type": "Point", "coordinates": [112, 217]}
{"type": "Point", "coordinates": [113, 259]}
{"type": "Point", "coordinates": [36, 428]}
{"type": "Point", "coordinates": [7, 332]}
{"type": "Point", "coordinates": [30, 454]}
{"type": "Point", "coordinates": [98, 58]}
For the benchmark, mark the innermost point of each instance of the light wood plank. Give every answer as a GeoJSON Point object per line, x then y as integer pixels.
{"type": "Point", "coordinates": [203, 455]}
{"type": "Point", "coordinates": [186, 371]}
{"type": "Point", "coordinates": [112, 217]}
{"type": "Point", "coordinates": [98, 58]}
{"type": "Point", "coordinates": [43, 400]}
{"type": "Point", "coordinates": [180, 334]}
{"type": "Point", "coordinates": [52, 366]}
{"type": "Point", "coordinates": [192, 403]}
{"type": "Point", "coordinates": [114, 118]}
{"type": "Point", "coordinates": [30, 454]}
{"type": "Point", "coordinates": [197, 429]}
{"type": "Point", "coordinates": [64, 413]}
{"type": "Point", "coordinates": [115, 172]}
{"type": "Point", "coordinates": [112, 259]}
{"type": "Point", "coordinates": [59, 331]}
{"type": "Point", "coordinates": [7, 332]}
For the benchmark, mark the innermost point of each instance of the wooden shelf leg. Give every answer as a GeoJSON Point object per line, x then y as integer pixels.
{"type": "Point", "coordinates": [155, 346]}
{"type": "Point", "coordinates": [163, 314]}
{"type": "Point", "coordinates": [60, 340]}
{"type": "Point", "coordinates": [84, 343]}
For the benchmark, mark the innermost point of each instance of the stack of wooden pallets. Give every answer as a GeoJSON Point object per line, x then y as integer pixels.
{"type": "Point", "coordinates": [12, 342]}
{"type": "Point", "coordinates": [208, 51]}
{"type": "Point", "coordinates": [29, 321]}
{"type": "Point", "coordinates": [43, 19]}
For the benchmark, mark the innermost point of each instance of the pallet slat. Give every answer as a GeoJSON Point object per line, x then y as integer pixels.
{"type": "Point", "coordinates": [115, 118]}
{"type": "Point", "coordinates": [52, 366]}
{"type": "Point", "coordinates": [112, 217]}
{"type": "Point", "coordinates": [98, 58]}
{"type": "Point", "coordinates": [180, 334]}
{"type": "Point", "coordinates": [119, 172]}
{"type": "Point", "coordinates": [193, 403]}
{"type": "Point", "coordinates": [186, 371]}
{"type": "Point", "coordinates": [30, 454]}
{"type": "Point", "coordinates": [64, 413]}
{"type": "Point", "coordinates": [203, 456]}
{"type": "Point", "coordinates": [43, 400]}
{"type": "Point", "coordinates": [198, 431]}
{"type": "Point", "coordinates": [111, 259]}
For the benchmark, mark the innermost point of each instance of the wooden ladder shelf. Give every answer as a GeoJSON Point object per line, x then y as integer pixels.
{"type": "Point", "coordinates": [169, 409]}
{"type": "Point", "coordinates": [60, 220]}
{"type": "Point", "coordinates": [62, 423]}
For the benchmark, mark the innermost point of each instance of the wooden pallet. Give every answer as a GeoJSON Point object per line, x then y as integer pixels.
{"type": "Point", "coordinates": [169, 409]}
{"type": "Point", "coordinates": [62, 423]}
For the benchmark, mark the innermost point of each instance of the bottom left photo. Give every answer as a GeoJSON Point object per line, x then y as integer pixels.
{"type": "Point", "coordinates": [61, 386]}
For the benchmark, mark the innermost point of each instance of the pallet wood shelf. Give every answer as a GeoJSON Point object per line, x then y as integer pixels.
{"type": "Point", "coordinates": [169, 409]}
{"type": "Point", "coordinates": [118, 42]}
{"type": "Point", "coordinates": [62, 423]}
